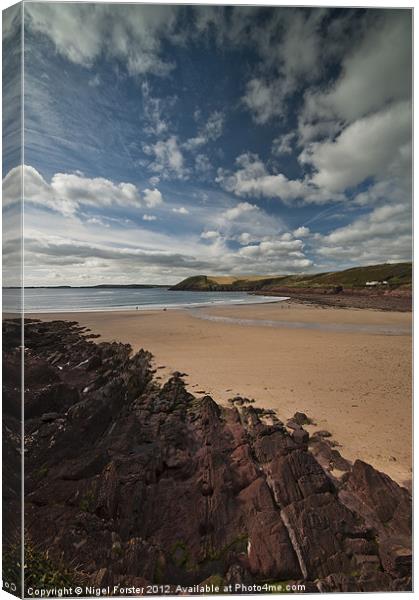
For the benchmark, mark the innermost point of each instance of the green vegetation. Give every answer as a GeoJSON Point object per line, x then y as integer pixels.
{"type": "Point", "coordinates": [40, 570]}
{"type": "Point", "coordinates": [397, 275]}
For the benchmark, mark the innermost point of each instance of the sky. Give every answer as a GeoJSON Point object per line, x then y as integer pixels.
{"type": "Point", "coordinates": [162, 142]}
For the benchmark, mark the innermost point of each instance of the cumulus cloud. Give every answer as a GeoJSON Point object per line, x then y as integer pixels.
{"type": "Point", "coordinates": [292, 51]}
{"type": "Point", "coordinates": [210, 235]}
{"type": "Point", "coordinates": [203, 163]}
{"type": "Point", "coordinates": [68, 192]}
{"type": "Point", "coordinates": [263, 99]}
{"type": "Point", "coordinates": [376, 72]}
{"type": "Point", "coordinates": [253, 179]}
{"type": "Point", "coordinates": [84, 32]}
{"type": "Point", "coordinates": [280, 252]}
{"type": "Point", "coordinates": [301, 231]}
{"type": "Point", "coordinates": [358, 127]}
{"type": "Point", "coordinates": [369, 147]}
{"type": "Point", "coordinates": [283, 144]}
{"type": "Point", "coordinates": [152, 198]}
{"type": "Point", "coordinates": [385, 232]}
{"type": "Point", "coordinates": [208, 132]}
{"type": "Point", "coordinates": [181, 210]}
{"type": "Point", "coordinates": [348, 140]}
{"type": "Point", "coordinates": [168, 159]}
{"type": "Point", "coordinates": [240, 209]}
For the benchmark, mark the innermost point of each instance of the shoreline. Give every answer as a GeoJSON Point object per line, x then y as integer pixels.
{"type": "Point", "coordinates": [356, 384]}
{"type": "Point", "coordinates": [157, 307]}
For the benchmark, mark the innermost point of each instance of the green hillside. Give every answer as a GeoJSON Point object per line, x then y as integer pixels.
{"type": "Point", "coordinates": [396, 275]}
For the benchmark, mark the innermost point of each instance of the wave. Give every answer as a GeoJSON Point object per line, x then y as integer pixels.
{"type": "Point", "coordinates": [151, 306]}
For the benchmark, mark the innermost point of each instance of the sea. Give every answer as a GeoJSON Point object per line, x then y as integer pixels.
{"type": "Point", "coordinates": [45, 300]}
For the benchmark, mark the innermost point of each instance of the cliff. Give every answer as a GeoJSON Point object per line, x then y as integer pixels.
{"type": "Point", "coordinates": [396, 276]}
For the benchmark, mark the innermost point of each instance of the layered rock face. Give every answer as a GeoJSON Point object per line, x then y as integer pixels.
{"type": "Point", "coordinates": [134, 482]}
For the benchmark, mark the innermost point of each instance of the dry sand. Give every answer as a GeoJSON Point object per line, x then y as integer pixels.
{"type": "Point", "coordinates": [356, 383]}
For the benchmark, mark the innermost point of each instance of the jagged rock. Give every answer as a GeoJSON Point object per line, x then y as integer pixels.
{"type": "Point", "coordinates": [396, 558]}
{"type": "Point", "coordinates": [322, 434]}
{"type": "Point", "coordinates": [300, 436]}
{"type": "Point", "coordinates": [50, 417]}
{"type": "Point", "coordinates": [145, 483]}
{"type": "Point", "coordinates": [380, 500]}
{"type": "Point", "coordinates": [301, 418]}
{"type": "Point", "coordinates": [317, 526]}
{"type": "Point", "coordinates": [296, 476]}
{"type": "Point", "coordinates": [292, 424]}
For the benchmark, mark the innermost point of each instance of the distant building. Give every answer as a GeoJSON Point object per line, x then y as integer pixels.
{"type": "Point", "coordinates": [375, 283]}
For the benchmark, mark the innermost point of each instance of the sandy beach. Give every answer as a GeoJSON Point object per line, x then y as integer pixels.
{"type": "Point", "coordinates": [348, 369]}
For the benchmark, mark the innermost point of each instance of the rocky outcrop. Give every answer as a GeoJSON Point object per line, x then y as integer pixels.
{"type": "Point", "coordinates": [139, 482]}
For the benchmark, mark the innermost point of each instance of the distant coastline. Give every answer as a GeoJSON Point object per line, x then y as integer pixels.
{"type": "Point", "coordinates": [131, 286]}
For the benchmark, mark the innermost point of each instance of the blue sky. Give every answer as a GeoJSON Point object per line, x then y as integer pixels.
{"type": "Point", "coordinates": [164, 141]}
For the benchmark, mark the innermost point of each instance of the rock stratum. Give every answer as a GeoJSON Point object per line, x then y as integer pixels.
{"type": "Point", "coordinates": [129, 481]}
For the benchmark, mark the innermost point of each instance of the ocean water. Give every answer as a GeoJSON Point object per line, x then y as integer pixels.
{"type": "Point", "coordinates": [44, 300]}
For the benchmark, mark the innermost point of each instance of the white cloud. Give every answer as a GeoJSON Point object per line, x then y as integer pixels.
{"type": "Point", "coordinates": [279, 253]}
{"type": "Point", "coordinates": [359, 127]}
{"type": "Point", "coordinates": [369, 147]}
{"type": "Point", "coordinates": [245, 238]}
{"type": "Point", "coordinates": [149, 218]}
{"type": "Point", "coordinates": [152, 112]}
{"type": "Point", "coordinates": [94, 81]}
{"type": "Point", "coordinates": [283, 144]}
{"type": "Point", "coordinates": [202, 163]}
{"type": "Point", "coordinates": [301, 231]}
{"type": "Point", "coordinates": [252, 179]}
{"type": "Point", "coordinates": [131, 33]}
{"type": "Point", "coordinates": [264, 99]}
{"type": "Point", "coordinates": [293, 53]}
{"type": "Point", "coordinates": [181, 210]}
{"type": "Point", "coordinates": [375, 73]}
{"type": "Point", "coordinates": [168, 159]}
{"type": "Point", "coordinates": [240, 209]}
{"type": "Point", "coordinates": [154, 180]}
{"type": "Point", "coordinates": [383, 234]}
{"type": "Point", "coordinates": [214, 126]}
{"type": "Point", "coordinates": [97, 221]}
{"type": "Point", "coordinates": [153, 198]}
{"type": "Point", "coordinates": [381, 222]}
{"type": "Point", "coordinates": [210, 235]}
{"type": "Point", "coordinates": [68, 187]}
{"type": "Point", "coordinates": [68, 192]}
{"type": "Point", "coordinates": [396, 190]}
{"type": "Point", "coordinates": [195, 142]}
{"type": "Point", "coordinates": [209, 132]}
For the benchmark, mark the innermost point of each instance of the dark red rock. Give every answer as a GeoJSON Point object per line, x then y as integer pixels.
{"type": "Point", "coordinates": [300, 436]}
{"type": "Point", "coordinates": [380, 500]}
{"type": "Point", "coordinates": [301, 418]}
{"type": "Point", "coordinates": [396, 558]}
{"type": "Point", "coordinates": [322, 434]}
{"type": "Point", "coordinates": [144, 483]}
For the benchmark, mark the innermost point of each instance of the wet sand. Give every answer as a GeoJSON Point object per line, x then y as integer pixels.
{"type": "Point", "coordinates": [348, 369]}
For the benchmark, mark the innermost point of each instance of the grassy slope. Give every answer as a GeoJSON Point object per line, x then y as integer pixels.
{"type": "Point", "coordinates": [397, 275]}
